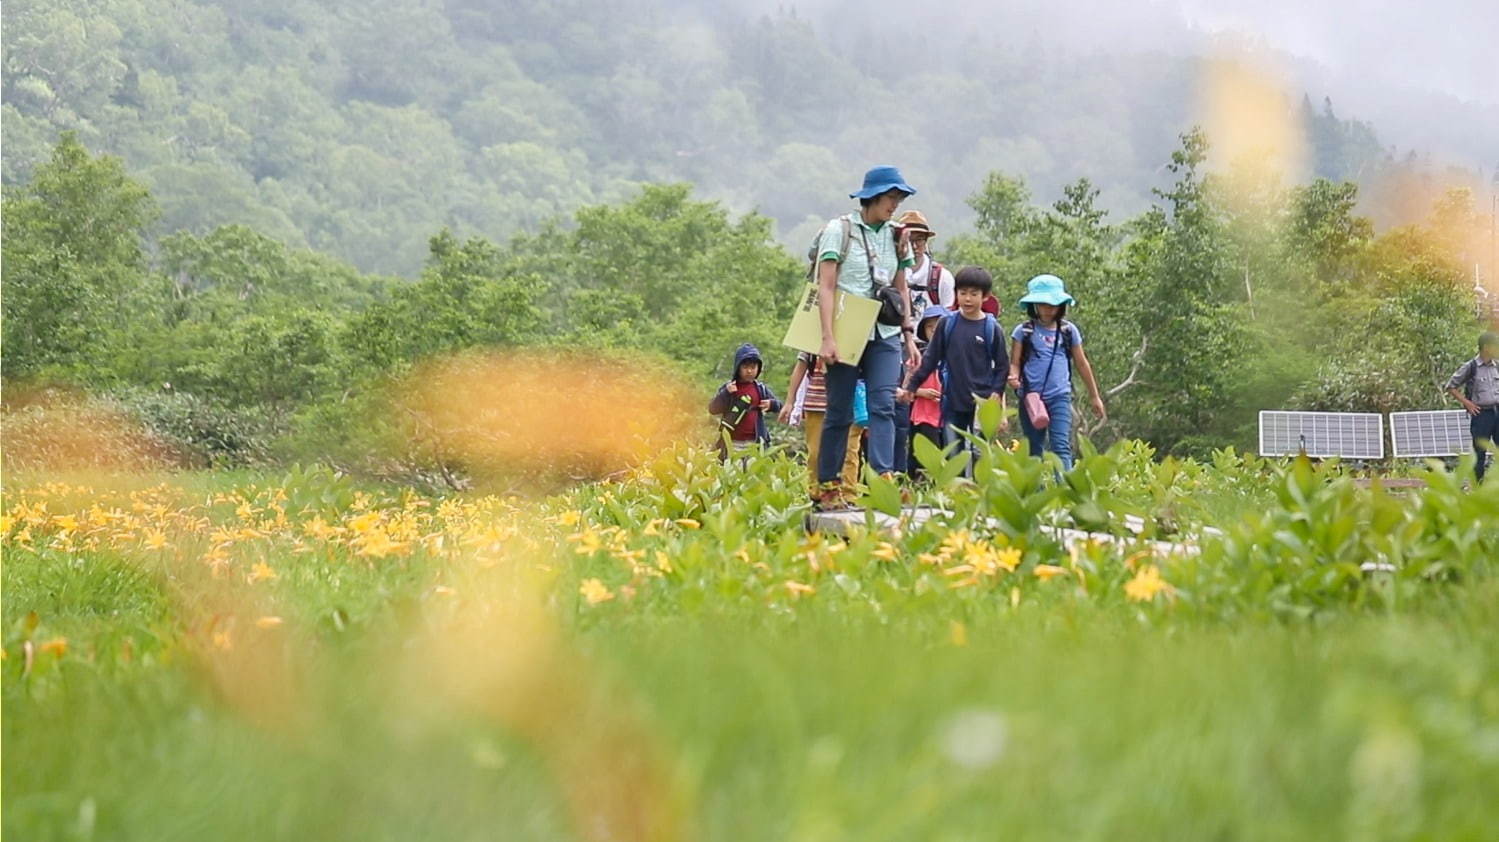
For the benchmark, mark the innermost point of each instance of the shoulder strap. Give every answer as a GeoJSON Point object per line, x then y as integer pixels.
{"type": "Point", "coordinates": [949, 322]}
{"type": "Point", "coordinates": [868, 252]}
{"type": "Point", "coordinates": [848, 238]}
{"type": "Point", "coordinates": [934, 281]}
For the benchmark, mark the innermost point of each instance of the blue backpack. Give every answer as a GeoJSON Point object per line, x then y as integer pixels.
{"type": "Point", "coordinates": [950, 321]}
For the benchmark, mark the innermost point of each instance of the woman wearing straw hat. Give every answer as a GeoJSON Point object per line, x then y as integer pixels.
{"type": "Point", "coordinates": [876, 257]}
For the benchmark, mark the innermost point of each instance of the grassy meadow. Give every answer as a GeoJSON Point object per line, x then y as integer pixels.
{"type": "Point", "coordinates": [668, 655]}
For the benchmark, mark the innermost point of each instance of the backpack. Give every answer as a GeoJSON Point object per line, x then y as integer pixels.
{"type": "Point", "coordinates": [1064, 336]}
{"type": "Point", "coordinates": [812, 255]}
{"type": "Point", "coordinates": [934, 283]}
{"type": "Point", "coordinates": [742, 405]}
{"type": "Point", "coordinates": [1469, 373]}
{"type": "Point", "coordinates": [951, 321]}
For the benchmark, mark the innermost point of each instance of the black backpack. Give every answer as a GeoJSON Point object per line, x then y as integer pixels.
{"type": "Point", "coordinates": [1064, 330]}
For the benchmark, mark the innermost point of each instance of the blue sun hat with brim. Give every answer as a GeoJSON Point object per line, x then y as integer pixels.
{"type": "Point", "coordinates": [1046, 289]}
{"type": "Point", "coordinates": [933, 311]}
{"type": "Point", "coordinates": [880, 180]}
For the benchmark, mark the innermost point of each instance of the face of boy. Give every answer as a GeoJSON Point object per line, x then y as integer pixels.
{"type": "Point", "coordinates": [929, 329]}
{"type": "Point", "coordinates": [1046, 312]}
{"type": "Point", "coordinates": [970, 300]}
{"type": "Point", "coordinates": [918, 242]}
{"type": "Point", "coordinates": [749, 370]}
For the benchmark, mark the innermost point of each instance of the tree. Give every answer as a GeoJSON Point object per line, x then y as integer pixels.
{"type": "Point", "coordinates": [1186, 315]}
{"type": "Point", "coordinates": [74, 261]}
{"type": "Point", "coordinates": [469, 295]}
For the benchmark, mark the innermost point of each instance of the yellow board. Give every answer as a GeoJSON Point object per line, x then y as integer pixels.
{"type": "Point", "coordinates": [853, 321]}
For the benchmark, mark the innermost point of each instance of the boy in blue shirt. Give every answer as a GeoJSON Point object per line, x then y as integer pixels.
{"type": "Point", "coordinates": [970, 347]}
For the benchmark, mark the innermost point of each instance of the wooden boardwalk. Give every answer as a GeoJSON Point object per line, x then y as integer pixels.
{"type": "Point", "coordinates": [911, 518]}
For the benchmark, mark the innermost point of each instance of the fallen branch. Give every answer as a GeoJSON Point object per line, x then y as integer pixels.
{"type": "Point", "coordinates": [1136, 361]}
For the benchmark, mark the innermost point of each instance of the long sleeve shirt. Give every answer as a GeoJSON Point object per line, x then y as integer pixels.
{"type": "Point", "coordinates": [975, 357]}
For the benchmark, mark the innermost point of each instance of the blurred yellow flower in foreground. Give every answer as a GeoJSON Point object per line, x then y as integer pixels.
{"type": "Point", "coordinates": [261, 570]}
{"type": "Point", "coordinates": [268, 622]}
{"type": "Point", "coordinates": [1047, 572]}
{"type": "Point", "coordinates": [56, 646]}
{"type": "Point", "coordinates": [595, 591]}
{"type": "Point", "coordinates": [1146, 584]}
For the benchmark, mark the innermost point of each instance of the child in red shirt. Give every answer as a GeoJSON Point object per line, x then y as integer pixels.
{"type": "Point", "coordinates": [743, 402]}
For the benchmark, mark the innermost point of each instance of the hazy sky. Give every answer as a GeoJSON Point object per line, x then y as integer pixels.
{"type": "Point", "coordinates": [1442, 45]}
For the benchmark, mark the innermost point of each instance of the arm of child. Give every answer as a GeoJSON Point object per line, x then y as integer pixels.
{"type": "Point", "coordinates": [771, 403]}
{"type": "Point", "coordinates": [798, 372]}
{"type": "Point", "coordinates": [1080, 359]}
{"type": "Point", "coordinates": [1015, 350]}
{"type": "Point", "coordinates": [720, 402]}
{"type": "Point", "coordinates": [936, 351]}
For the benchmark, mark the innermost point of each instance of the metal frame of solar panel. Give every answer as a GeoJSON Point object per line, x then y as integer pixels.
{"type": "Point", "coordinates": [1347, 435]}
{"type": "Point", "coordinates": [1418, 435]}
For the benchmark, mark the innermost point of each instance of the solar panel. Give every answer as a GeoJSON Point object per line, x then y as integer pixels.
{"type": "Point", "coordinates": [1415, 435]}
{"type": "Point", "coordinates": [1350, 435]}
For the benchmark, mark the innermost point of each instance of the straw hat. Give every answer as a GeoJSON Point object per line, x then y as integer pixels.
{"type": "Point", "coordinates": [916, 221]}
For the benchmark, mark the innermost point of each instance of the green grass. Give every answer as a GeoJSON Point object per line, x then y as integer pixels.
{"type": "Point", "coordinates": [1272, 697]}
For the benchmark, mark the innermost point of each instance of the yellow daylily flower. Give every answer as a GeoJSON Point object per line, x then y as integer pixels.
{"type": "Point", "coordinates": [1146, 584]}
{"type": "Point", "coordinates": [595, 591]}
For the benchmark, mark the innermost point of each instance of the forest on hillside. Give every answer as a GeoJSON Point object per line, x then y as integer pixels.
{"type": "Point", "coordinates": [357, 129]}
{"type": "Point", "coordinates": [1231, 293]}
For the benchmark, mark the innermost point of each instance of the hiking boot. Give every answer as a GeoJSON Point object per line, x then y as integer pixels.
{"type": "Point", "coordinates": [829, 497]}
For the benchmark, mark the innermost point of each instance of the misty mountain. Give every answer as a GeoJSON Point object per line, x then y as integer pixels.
{"type": "Point", "coordinates": [360, 128]}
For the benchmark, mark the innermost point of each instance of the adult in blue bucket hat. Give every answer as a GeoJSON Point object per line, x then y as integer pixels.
{"type": "Point", "coordinates": [882, 180]}
{"type": "Point", "coordinates": [861, 253]}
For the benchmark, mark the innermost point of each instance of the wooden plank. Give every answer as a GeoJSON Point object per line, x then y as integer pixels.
{"type": "Point", "coordinates": [850, 521]}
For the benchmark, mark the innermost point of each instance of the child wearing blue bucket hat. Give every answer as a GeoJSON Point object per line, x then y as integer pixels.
{"type": "Point", "coordinates": [1045, 349]}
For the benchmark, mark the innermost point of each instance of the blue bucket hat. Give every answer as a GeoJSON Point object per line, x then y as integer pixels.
{"type": "Point", "coordinates": [881, 179]}
{"type": "Point", "coordinates": [933, 311]}
{"type": "Point", "coordinates": [1046, 289]}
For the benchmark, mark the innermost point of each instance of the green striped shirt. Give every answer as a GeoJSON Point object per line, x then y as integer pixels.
{"type": "Point", "coordinates": [853, 273]}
